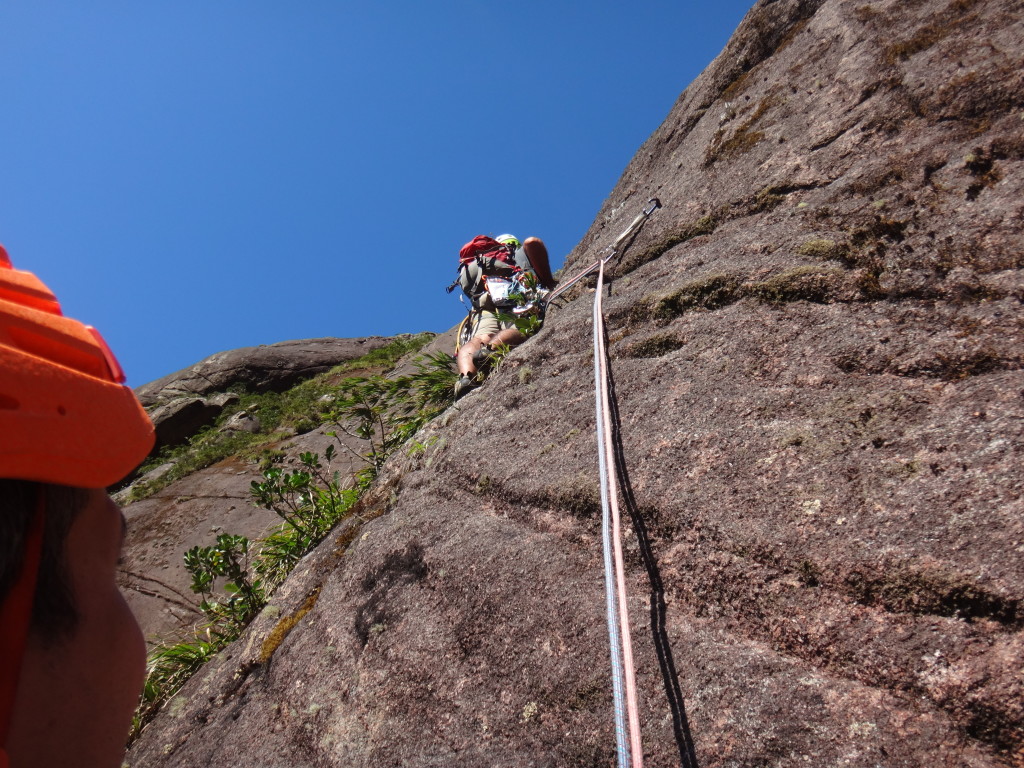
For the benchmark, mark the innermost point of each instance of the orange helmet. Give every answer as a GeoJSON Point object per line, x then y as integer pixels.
{"type": "Point", "coordinates": [66, 416]}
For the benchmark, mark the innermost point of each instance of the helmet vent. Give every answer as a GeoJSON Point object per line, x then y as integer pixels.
{"type": "Point", "coordinates": [60, 349]}
{"type": "Point", "coordinates": [8, 403]}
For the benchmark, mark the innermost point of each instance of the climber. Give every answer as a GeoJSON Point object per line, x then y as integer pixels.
{"type": "Point", "coordinates": [72, 655]}
{"type": "Point", "coordinates": [479, 260]}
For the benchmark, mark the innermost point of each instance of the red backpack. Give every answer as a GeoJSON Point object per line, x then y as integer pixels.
{"type": "Point", "coordinates": [482, 245]}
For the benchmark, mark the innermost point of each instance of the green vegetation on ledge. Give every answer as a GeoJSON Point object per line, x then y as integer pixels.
{"type": "Point", "coordinates": [311, 501]}
{"type": "Point", "coordinates": [300, 409]}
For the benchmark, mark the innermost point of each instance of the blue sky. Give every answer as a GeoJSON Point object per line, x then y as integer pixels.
{"type": "Point", "coordinates": [191, 177]}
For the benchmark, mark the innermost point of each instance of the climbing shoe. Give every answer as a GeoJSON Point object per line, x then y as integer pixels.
{"type": "Point", "coordinates": [464, 385]}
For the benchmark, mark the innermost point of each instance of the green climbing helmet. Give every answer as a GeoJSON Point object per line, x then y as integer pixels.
{"type": "Point", "coordinates": [509, 240]}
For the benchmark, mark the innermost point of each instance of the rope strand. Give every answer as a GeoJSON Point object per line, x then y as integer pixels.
{"type": "Point", "coordinates": [621, 667]}
{"type": "Point", "coordinates": [621, 738]}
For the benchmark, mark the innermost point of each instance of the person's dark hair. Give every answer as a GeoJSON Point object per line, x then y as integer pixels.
{"type": "Point", "coordinates": [53, 613]}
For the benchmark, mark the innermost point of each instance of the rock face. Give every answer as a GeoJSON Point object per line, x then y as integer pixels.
{"type": "Point", "coordinates": [182, 403]}
{"type": "Point", "coordinates": [816, 349]}
{"type": "Point", "coordinates": [191, 513]}
{"type": "Point", "coordinates": [179, 419]}
{"type": "Point", "coordinates": [266, 368]}
{"type": "Point", "coordinates": [194, 510]}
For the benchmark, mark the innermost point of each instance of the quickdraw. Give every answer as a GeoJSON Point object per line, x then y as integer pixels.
{"type": "Point", "coordinates": [612, 251]}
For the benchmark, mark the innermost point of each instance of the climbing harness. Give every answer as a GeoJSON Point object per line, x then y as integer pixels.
{"type": "Point", "coordinates": [627, 715]}
{"type": "Point", "coordinates": [493, 280]}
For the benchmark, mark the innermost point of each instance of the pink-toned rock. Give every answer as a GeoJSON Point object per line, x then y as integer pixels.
{"type": "Point", "coordinates": [816, 348]}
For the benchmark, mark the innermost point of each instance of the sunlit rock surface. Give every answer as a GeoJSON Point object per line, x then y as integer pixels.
{"type": "Point", "coordinates": [816, 348]}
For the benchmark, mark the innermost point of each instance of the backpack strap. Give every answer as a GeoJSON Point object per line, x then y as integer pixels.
{"type": "Point", "coordinates": [471, 281]}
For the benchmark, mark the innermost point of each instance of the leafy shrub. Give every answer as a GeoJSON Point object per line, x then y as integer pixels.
{"type": "Point", "coordinates": [227, 558]}
{"type": "Point", "coordinates": [310, 502]}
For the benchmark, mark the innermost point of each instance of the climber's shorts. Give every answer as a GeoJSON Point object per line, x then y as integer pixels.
{"type": "Point", "coordinates": [488, 324]}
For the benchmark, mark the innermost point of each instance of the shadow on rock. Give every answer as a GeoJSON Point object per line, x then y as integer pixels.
{"type": "Point", "coordinates": [673, 692]}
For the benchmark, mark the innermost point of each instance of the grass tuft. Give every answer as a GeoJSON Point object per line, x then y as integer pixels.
{"type": "Point", "coordinates": [807, 283]}
{"type": "Point", "coordinates": [822, 248]}
{"type": "Point", "coordinates": [712, 292]}
{"type": "Point", "coordinates": [743, 139]}
{"type": "Point", "coordinates": [655, 346]}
